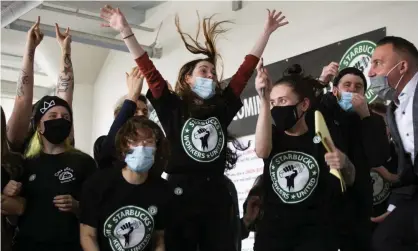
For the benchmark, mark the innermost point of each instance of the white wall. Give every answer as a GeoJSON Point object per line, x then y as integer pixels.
{"type": "Point", "coordinates": [312, 25]}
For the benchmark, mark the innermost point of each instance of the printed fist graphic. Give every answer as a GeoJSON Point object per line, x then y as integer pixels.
{"type": "Point", "coordinates": [203, 135]}
{"type": "Point", "coordinates": [289, 173]}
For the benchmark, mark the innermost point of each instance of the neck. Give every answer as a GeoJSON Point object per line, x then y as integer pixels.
{"type": "Point", "coordinates": [299, 128]}
{"type": "Point", "coordinates": [133, 177]}
{"type": "Point", "coordinates": [405, 80]}
{"type": "Point", "coordinates": [50, 148]}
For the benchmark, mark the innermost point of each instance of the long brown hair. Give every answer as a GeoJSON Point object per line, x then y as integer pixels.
{"type": "Point", "coordinates": [211, 30]}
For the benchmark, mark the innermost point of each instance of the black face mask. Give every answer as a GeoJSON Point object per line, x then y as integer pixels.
{"type": "Point", "coordinates": [57, 130]}
{"type": "Point", "coordinates": [285, 117]}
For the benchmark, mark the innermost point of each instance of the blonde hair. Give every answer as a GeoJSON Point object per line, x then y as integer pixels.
{"type": "Point", "coordinates": [35, 146]}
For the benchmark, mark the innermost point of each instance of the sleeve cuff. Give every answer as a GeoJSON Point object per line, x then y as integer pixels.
{"type": "Point", "coordinates": [391, 208]}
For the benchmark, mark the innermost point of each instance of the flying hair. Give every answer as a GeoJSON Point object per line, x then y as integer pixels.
{"type": "Point", "coordinates": [211, 30]}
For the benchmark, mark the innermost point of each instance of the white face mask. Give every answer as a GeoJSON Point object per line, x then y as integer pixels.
{"type": "Point", "coordinates": [380, 85]}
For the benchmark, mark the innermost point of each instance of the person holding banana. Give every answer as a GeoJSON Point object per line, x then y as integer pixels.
{"type": "Point", "coordinates": [300, 194]}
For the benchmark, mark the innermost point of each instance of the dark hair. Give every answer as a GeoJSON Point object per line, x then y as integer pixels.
{"type": "Point", "coordinates": [139, 127]}
{"type": "Point", "coordinates": [401, 46]}
{"type": "Point", "coordinates": [142, 98]}
{"type": "Point", "coordinates": [353, 71]}
{"type": "Point", "coordinates": [303, 86]}
{"type": "Point", "coordinates": [231, 154]}
{"type": "Point", "coordinates": [11, 162]}
{"type": "Point", "coordinates": [211, 30]}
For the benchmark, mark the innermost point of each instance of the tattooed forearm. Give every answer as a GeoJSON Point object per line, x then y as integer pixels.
{"type": "Point", "coordinates": [348, 172]}
{"type": "Point", "coordinates": [66, 77]}
{"type": "Point", "coordinates": [31, 54]}
{"type": "Point", "coordinates": [21, 82]}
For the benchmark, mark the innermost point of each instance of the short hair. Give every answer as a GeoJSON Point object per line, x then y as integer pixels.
{"type": "Point", "coordinates": [120, 101]}
{"type": "Point", "coordinates": [401, 45]}
{"type": "Point", "coordinates": [353, 71]}
{"type": "Point", "coordinates": [140, 127]}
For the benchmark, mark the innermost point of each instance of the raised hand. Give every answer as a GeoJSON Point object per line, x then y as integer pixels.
{"type": "Point", "coordinates": [134, 81]}
{"type": "Point", "coordinates": [114, 18]}
{"type": "Point", "coordinates": [274, 20]}
{"type": "Point", "coordinates": [64, 39]}
{"type": "Point", "coordinates": [359, 103]}
{"type": "Point", "coordinates": [263, 84]}
{"type": "Point", "coordinates": [35, 35]}
{"type": "Point", "coordinates": [328, 72]}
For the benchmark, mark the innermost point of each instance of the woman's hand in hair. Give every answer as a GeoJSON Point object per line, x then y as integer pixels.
{"type": "Point", "coordinates": [359, 103]}
{"type": "Point", "coordinates": [274, 21]}
{"type": "Point", "coordinates": [12, 188]}
{"type": "Point", "coordinates": [66, 203]}
{"type": "Point", "coordinates": [114, 18]}
{"type": "Point", "coordinates": [134, 81]}
{"type": "Point", "coordinates": [64, 39]}
{"type": "Point", "coordinates": [35, 35]}
{"type": "Point", "coordinates": [263, 84]}
{"type": "Point", "coordinates": [329, 72]}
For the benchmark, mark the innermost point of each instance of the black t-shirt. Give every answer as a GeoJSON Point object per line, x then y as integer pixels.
{"type": "Point", "coordinates": [299, 190]}
{"type": "Point", "coordinates": [381, 187]}
{"type": "Point", "coordinates": [125, 215]}
{"type": "Point", "coordinates": [198, 134]}
{"type": "Point", "coordinates": [45, 177]}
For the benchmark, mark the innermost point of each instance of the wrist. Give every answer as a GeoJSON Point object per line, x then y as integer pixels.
{"type": "Point", "coordinates": [126, 32]}
{"type": "Point", "coordinates": [364, 114]}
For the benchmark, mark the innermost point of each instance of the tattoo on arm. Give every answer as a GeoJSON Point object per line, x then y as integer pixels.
{"type": "Point", "coordinates": [66, 77]}
{"type": "Point", "coordinates": [23, 80]}
{"type": "Point", "coordinates": [31, 54]}
{"type": "Point", "coordinates": [349, 172]}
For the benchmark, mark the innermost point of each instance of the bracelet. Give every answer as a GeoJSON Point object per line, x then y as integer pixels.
{"type": "Point", "coordinates": [129, 36]}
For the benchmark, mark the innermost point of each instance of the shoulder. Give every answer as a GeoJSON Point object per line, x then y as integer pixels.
{"type": "Point", "coordinates": [82, 159]}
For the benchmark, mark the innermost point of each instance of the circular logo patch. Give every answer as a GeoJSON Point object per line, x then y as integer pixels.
{"type": "Point", "coordinates": [359, 56]}
{"type": "Point", "coordinates": [203, 140]}
{"type": "Point", "coordinates": [317, 139]}
{"type": "Point", "coordinates": [129, 228]}
{"type": "Point", "coordinates": [381, 188]}
{"type": "Point", "coordinates": [32, 177]}
{"type": "Point", "coordinates": [294, 176]}
{"type": "Point", "coordinates": [178, 191]}
{"type": "Point", "coordinates": [153, 210]}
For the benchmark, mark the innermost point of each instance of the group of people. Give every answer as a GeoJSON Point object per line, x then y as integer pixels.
{"type": "Point", "coordinates": [354, 191]}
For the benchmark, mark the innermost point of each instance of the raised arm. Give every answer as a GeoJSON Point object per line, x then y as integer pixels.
{"type": "Point", "coordinates": [114, 18]}
{"type": "Point", "coordinates": [134, 81]}
{"type": "Point", "coordinates": [239, 80]}
{"type": "Point", "coordinates": [263, 133]}
{"type": "Point", "coordinates": [65, 83]}
{"type": "Point", "coordinates": [20, 118]}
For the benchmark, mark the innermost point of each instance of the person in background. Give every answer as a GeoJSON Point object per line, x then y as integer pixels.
{"type": "Point", "coordinates": [368, 147]}
{"type": "Point", "coordinates": [11, 204]}
{"type": "Point", "coordinates": [128, 208]}
{"type": "Point", "coordinates": [195, 119]}
{"type": "Point", "coordinates": [299, 192]}
{"type": "Point", "coordinates": [383, 177]}
{"type": "Point", "coordinates": [394, 77]}
{"type": "Point", "coordinates": [132, 104]}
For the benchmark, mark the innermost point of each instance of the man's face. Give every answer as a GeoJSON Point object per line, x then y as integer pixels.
{"type": "Point", "coordinates": [383, 60]}
{"type": "Point", "coordinates": [141, 108]}
{"type": "Point", "coordinates": [352, 83]}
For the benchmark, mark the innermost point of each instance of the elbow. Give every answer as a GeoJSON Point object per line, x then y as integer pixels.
{"type": "Point", "coordinates": [263, 152]}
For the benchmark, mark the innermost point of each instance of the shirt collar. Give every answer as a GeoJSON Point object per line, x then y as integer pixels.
{"type": "Point", "coordinates": [409, 89]}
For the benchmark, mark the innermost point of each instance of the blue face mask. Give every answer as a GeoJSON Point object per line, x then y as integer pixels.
{"type": "Point", "coordinates": [141, 159]}
{"type": "Point", "coordinates": [345, 101]}
{"type": "Point", "coordinates": [204, 87]}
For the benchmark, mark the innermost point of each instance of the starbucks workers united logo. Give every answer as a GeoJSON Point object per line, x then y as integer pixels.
{"type": "Point", "coordinates": [294, 176]}
{"type": "Point", "coordinates": [359, 56]}
{"type": "Point", "coordinates": [381, 188]}
{"type": "Point", "coordinates": [129, 228]}
{"type": "Point", "coordinates": [203, 140]}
